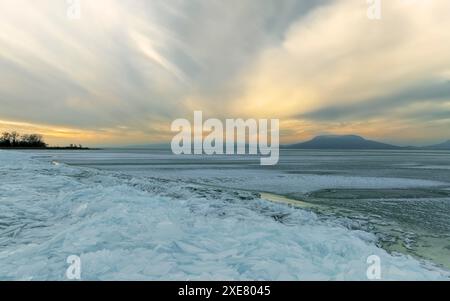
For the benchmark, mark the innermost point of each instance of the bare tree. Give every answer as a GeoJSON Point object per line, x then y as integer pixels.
{"type": "Point", "coordinates": [13, 139]}
{"type": "Point", "coordinates": [5, 140]}
{"type": "Point", "coordinates": [32, 140]}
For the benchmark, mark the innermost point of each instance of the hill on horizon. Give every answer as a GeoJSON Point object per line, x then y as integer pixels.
{"type": "Point", "coordinates": [441, 146]}
{"type": "Point", "coordinates": [341, 142]}
{"type": "Point", "coordinates": [356, 142]}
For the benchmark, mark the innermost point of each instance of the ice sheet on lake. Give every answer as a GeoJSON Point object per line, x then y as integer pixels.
{"type": "Point", "coordinates": [283, 183]}
{"type": "Point", "coordinates": [133, 228]}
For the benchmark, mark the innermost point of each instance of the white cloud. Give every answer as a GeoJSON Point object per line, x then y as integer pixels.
{"type": "Point", "coordinates": [337, 55]}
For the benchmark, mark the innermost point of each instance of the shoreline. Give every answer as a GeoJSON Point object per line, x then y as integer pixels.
{"type": "Point", "coordinates": [431, 255]}
{"type": "Point", "coordinates": [48, 148]}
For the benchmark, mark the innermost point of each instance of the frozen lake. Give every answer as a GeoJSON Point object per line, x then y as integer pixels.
{"type": "Point", "coordinates": [147, 214]}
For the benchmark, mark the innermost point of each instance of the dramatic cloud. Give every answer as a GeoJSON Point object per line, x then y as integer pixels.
{"type": "Point", "coordinates": [337, 71]}
{"type": "Point", "coordinates": [126, 69]}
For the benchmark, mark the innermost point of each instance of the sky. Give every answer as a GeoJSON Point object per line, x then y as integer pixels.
{"type": "Point", "coordinates": [121, 71]}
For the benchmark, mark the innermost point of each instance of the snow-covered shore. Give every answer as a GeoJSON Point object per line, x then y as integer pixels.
{"type": "Point", "coordinates": [143, 228]}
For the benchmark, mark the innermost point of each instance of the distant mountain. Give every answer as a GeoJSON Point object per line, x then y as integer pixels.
{"type": "Point", "coordinates": [442, 146]}
{"type": "Point", "coordinates": [161, 146]}
{"type": "Point", "coordinates": [341, 142]}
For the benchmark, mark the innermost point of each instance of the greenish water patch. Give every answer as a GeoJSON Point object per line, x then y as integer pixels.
{"type": "Point", "coordinates": [380, 193]}
{"type": "Point", "coordinates": [275, 198]}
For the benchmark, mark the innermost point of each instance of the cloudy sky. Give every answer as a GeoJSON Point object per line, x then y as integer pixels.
{"type": "Point", "coordinates": [123, 71]}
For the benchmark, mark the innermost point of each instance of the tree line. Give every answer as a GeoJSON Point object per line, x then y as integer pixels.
{"type": "Point", "coordinates": [14, 139]}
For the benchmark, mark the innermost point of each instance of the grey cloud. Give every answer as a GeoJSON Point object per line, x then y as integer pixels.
{"type": "Point", "coordinates": [214, 40]}
{"type": "Point", "coordinates": [209, 41]}
{"type": "Point", "coordinates": [437, 91]}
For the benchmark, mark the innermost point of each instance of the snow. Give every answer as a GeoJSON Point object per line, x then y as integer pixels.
{"type": "Point", "coordinates": [144, 228]}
